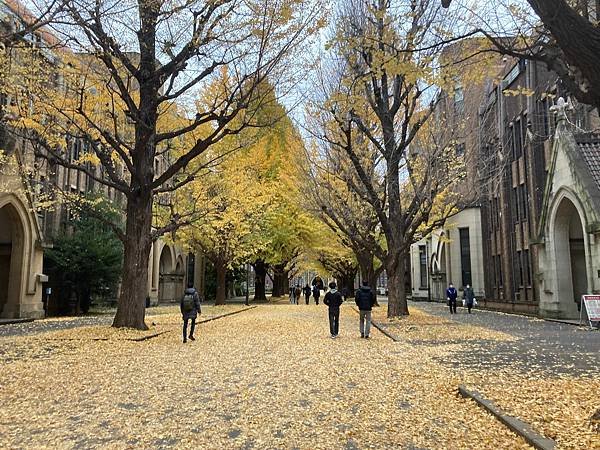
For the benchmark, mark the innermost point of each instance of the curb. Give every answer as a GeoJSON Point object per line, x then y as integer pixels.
{"type": "Point", "coordinates": [568, 323]}
{"type": "Point", "coordinates": [145, 338]}
{"type": "Point", "coordinates": [14, 321]}
{"type": "Point", "coordinates": [226, 315]}
{"type": "Point", "coordinates": [517, 426]}
{"type": "Point", "coordinates": [380, 328]}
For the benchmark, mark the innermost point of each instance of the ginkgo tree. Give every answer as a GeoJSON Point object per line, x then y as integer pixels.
{"type": "Point", "coordinates": [124, 66]}
{"type": "Point", "coordinates": [382, 89]}
{"type": "Point", "coordinates": [250, 197]}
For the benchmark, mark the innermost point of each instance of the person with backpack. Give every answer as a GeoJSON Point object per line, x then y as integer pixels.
{"type": "Point", "coordinates": [190, 308]}
{"type": "Point", "coordinates": [333, 299]}
{"type": "Point", "coordinates": [364, 299]}
{"type": "Point", "coordinates": [307, 292]}
{"type": "Point", "coordinates": [451, 295]}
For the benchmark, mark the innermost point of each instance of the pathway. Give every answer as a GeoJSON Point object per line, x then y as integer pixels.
{"type": "Point", "coordinates": [267, 378]}
{"type": "Point", "coordinates": [551, 347]}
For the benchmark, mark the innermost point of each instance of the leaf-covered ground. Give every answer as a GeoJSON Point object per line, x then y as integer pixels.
{"type": "Point", "coordinates": [269, 377]}
{"type": "Point", "coordinates": [557, 406]}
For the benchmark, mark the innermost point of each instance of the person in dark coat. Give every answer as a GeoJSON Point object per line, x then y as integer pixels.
{"type": "Point", "coordinates": [333, 299]}
{"type": "Point", "coordinates": [469, 297]}
{"type": "Point", "coordinates": [307, 292]}
{"type": "Point", "coordinates": [297, 293]}
{"type": "Point", "coordinates": [316, 293]}
{"type": "Point", "coordinates": [364, 299]}
{"type": "Point", "coordinates": [190, 308]}
{"type": "Point", "coordinates": [451, 295]}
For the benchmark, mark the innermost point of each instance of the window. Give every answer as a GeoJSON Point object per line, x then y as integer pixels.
{"type": "Point", "coordinates": [527, 264]}
{"type": "Point", "coordinates": [519, 268]}
{"type": "Point", "coordinates": [191, 267]}
{"type": "Point", "coordinates": [518, 139]}
{"type": "Point", "coordinates": [465, 255]}
{"type": "Point", "coordinates": [423, 265]}
{"type": "Point", "coordinates": [499, 266]}
{"type": "Point", "coordinates": [459, 99]}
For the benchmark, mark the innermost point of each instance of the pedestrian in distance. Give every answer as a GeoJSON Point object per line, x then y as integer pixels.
{"type": "Point", "coordinates": [468, 298]}
{"type": "Point", "coordinates": [297, 293]}
{"type": "Point", "coordinates": [307, 292]}
{"type": "Point", "coordinates": [190, 308]}
{"type": "Point", "coordinates": [451, 295]}
{"type": "Point", "coordinates": [292, 300]}
{"type": "Point", "coordinates": [333, 299]}
{"type": "Point", "coordinates": [316, 293]}
{"type": "Point", "coordinates": [364, 299]}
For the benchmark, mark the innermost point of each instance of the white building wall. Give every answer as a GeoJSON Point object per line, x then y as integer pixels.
{"type": "Point", "coordinates": [444, 259]}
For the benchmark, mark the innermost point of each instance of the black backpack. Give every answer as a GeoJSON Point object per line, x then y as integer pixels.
{"type": "Point", "coordinates": [188, 303]}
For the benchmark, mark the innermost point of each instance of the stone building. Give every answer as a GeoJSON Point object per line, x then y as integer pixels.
{"type": "Point", "coordinates": [536, 185]}
{"type": "Point", "coordinates": [516, 130]}
{"type": "Point", "coordinates": [567, 239]}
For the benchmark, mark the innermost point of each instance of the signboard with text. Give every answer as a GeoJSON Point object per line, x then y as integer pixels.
{"type": "Point", "coordinates": [591, 303]}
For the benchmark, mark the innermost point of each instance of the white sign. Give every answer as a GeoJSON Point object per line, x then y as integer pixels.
{"type": "Point", "coordinates": [591, 303]}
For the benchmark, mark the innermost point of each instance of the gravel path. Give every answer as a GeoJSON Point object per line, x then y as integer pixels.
{"type": "Point", "coordinates": [541, 345]}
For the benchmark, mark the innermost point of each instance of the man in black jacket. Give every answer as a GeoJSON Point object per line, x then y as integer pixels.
{"type": "Point", "coordinates": [333, 299]}
{"type": "Point", "coordinates": [365, 299]}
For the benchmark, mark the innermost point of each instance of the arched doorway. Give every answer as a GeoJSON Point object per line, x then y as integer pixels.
{"type": "Point", "coordinates": [165, 268]}
{"type": "Point", "coordinates": [569, 246]}
{"type": "Point", "coordinates": [11, 257]}
{"type": "Point", "coordinates": [179, 277]}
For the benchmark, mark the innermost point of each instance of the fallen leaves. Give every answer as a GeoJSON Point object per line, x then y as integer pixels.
{"type": "Point", "coordinates": [269, 377]}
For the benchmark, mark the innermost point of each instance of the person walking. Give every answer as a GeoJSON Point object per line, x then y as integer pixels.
{"type": "Point", "coordinates": [307, 292]}
{"type": "Point", "coordinates": [297, 293]}
{"type": "Point", "coordinates": [451, 295]}
{"type": "Point", "coordinates": [469, 297]}
{"type": "Point", "coordinates": [333, 299]}
{"type": "Point", "coordinates": [364, 299]}
{"type": "Point", "coordinates": [190, 308]}
{"type": "Point", "coordinates": [316, 293]}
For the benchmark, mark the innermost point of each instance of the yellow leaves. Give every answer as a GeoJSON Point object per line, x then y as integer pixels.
{"type": "Point", "coordinates": [267, 378]}
{"type": "Point", "coordinates": [520, 90]}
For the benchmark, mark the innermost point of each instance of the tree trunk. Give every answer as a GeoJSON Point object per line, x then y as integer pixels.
{"type": "Point", "coordinates": [221, 270]}
{"type": "Point", "coordinates": [279, 280]}
{"type": "Point", "coordinates": [346, 282]}
{"type": "Point", "coordinates": [260, 271]}
{"type": "Point", "coordinates": [396, 273]}
{"type": "Point", "coordinates": [286, 284]}
{"type": "Point", "coordinates": [136, 254]}
{"type": "Point", "coordinates": [368, 272]}
{"type": "Point", "coordinates": [373, 283]}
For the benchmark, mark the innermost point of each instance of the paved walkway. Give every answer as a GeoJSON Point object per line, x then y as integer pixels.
{"type": "Point", "coordinates": [551, 347]}
{"type": "Point", "coordinates": [267, 378]}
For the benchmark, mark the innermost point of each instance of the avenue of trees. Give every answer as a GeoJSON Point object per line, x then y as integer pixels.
{"type": "Point", "coordinates": [184, 112]}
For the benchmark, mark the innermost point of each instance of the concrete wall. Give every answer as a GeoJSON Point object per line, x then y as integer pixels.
{"type": "Point", "coordinates": [443, 257]}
